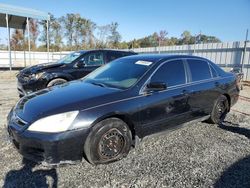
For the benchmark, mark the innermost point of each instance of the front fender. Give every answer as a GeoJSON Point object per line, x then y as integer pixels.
{"type": "Point", "coordinates": [54, 75]}
{"type": "Point", "coordinates": [123, 110]}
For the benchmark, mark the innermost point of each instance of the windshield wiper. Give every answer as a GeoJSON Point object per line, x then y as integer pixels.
{"type": "Point", "coordinates": [98, 84]}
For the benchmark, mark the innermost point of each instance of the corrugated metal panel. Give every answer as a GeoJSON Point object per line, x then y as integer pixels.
{"type": "Point", "coordinates": [23, 12]}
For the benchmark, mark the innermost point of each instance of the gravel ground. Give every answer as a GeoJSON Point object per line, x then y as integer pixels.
{"type": "Point", "coordinates": [198, 155]}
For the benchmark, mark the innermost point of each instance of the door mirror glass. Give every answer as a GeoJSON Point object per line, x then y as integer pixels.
{"type": "Point", "coordinates": [156, 86]}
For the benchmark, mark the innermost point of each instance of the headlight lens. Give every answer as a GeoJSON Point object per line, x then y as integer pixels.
{"type": "Point", "coordinates": [55, 123]}
{"type": "Point", "coordinates": [36, 76]}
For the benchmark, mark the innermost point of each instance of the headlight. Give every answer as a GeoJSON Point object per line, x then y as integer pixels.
{"type": "Point", "coordinates": [36, 76]}
{"type": "Point", "coordinates": [55, 123]}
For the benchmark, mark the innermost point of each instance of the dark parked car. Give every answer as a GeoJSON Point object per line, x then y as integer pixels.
{"type": "Point", "coordinates": [73, 66]}
{"type": "Point", "coordinates": [102, 115]}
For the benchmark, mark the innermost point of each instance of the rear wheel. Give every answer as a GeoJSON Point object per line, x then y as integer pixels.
{"type": "Point", "coordinates": [110, 140]}
{"type": "Point", "coordinates": [56, 81]}
{"type": "Point", "coordinates": [220, 110]}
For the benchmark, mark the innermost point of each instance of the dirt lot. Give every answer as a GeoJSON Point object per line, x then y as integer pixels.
{"type": "Point", "coordinates": [198, 155]}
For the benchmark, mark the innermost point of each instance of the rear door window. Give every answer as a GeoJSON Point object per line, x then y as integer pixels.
{"type": "Point", "coordinates": [199, 69]}
{"type": "Point", "coordinates": [94, 59]}
{"type": "Point", "coordinates": [113, 55]}
{"type": "Point", "coordinates": [172, 73]}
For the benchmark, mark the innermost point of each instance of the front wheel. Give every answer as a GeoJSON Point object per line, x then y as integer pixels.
{"type": "Point", "coordinates": [220, 110]}
{"type": "Point", "coordinates": [56, 81]}
{"type": "Point", "coordinates": [110, 140]}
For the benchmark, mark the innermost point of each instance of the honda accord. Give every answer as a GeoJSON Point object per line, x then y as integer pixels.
{"type": "Point", "coordinates": [103, 115]}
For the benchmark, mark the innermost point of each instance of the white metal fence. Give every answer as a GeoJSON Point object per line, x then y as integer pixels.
{"type": "Point", "coordinates": [226, 55]}
{"type": "Point", "coordinates": [21, 58]}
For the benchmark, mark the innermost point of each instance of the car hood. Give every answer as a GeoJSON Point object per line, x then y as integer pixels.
{"type": "Point", "coordinates": [37, 68]}
{"type": "Point", "coordinates": [70, 96]}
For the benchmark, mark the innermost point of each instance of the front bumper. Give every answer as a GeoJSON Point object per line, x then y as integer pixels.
{"type": "Point", "coordinates": [20, 89]}
{"type": "Point", "coordinates": [27, 87]}
{"type": "Point", "coordinates": [49, 148]}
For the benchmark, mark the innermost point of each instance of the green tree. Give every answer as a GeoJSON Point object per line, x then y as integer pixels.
{"type": "Point", "coordinates": [68, 24]}
{"type": "Point", "coordinates": [43, 36]}
{"type": "Point", "coordinates": [173, 41]}
{"type": "Point", "coordinates": [208, 39]}
{"type": "Point", "coordinates": [78, 28]}
{"type": "Point", "coordinates": [56, 30]}
{"type": "Point", "coordinates": [115, 37]}
{"type": "Point", "coordinates": [123, 45]}
{"type": "Point", "coordinates": [186, 37]}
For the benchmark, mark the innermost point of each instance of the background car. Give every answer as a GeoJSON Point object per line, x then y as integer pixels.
{"type": "Point", "coordinates": [73, 66]}
{"type": "Point", "coordinates": [108, 111]}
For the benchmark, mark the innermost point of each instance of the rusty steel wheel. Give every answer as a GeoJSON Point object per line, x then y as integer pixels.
{"type": "Point", "coordinates": [111, 144]}
{"type": "Point", "coordinates": [110, 140]}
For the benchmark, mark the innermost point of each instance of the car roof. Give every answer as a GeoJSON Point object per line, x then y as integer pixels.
{"type": "Point", "coordinates": [106, 50]}
{"type": "Point", "coordinates": [159, 57]}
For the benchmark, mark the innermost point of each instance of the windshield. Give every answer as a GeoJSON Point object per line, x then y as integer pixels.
{"type": "Point", "coordinates": [69, 58]}
{"type": "Point", "coordinates": [121, 73]}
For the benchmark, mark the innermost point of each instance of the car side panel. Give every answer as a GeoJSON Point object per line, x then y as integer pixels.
{"type": "Point", "coordinates": [163, 110]}
{"type": "Point", "coordinates": [127, 107]}
{"type": "Point", "coordinates": [202, 96]}
{"type": "Point", "coordinates": [228, 86]}
{"type": "Point", "coordinates": [136, 108]}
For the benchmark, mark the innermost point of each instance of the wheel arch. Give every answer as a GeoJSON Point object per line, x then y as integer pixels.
{"type": "Point", "coordinates": [124, 117]}
{"type": "Point", "coordinates": [56, 76]}
{"type": "Point", "coordinates": [228, 99]}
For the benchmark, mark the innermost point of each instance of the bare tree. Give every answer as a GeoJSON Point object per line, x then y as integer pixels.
{"type": "Point", "coordinates": [89, 32]}
{"type": "Point", "coordinates": [102, 36]}
{"type": "Point", "coordinates": [34, 32]}
{"type": "Point", "coordinates": [162, 36]}
{"type": "Point", "coordinates": [17, 40]}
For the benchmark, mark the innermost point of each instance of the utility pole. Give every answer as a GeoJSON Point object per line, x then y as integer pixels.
{"type": "Point", "coordinates": [244, 52]}
{"type": "Point", "coordinates": [199, 38]}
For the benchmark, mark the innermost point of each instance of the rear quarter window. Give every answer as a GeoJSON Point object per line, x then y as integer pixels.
{"type": "Point", "coordinates": [213, 71]}
{"type": "Point", "coordinates": [199, 69]}
{"type": "Point", "coordinates": [114, 55]}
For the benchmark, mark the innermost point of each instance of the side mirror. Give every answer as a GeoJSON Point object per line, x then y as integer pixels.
{"type": "Point", "coordinates": [80, 63]}
{"type": "Point", "coordinates": [156, 86]}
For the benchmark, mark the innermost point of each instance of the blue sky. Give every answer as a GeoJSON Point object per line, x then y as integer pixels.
{"type": "Point", "coordinates": [226, 19]}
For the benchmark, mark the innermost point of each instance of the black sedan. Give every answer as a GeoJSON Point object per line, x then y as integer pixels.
{"type": "Point", "coordinates": [71, 67]}
{"type": "Point", "coordinates": [104, 114]}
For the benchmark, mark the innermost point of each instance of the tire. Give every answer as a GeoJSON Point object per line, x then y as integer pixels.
{"type": "Point", "coordinates": [110, 140]}
{"type": "Point", "coordinates": [56, 81]}
{"type": "Point", "coordinates": [220, 110]}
